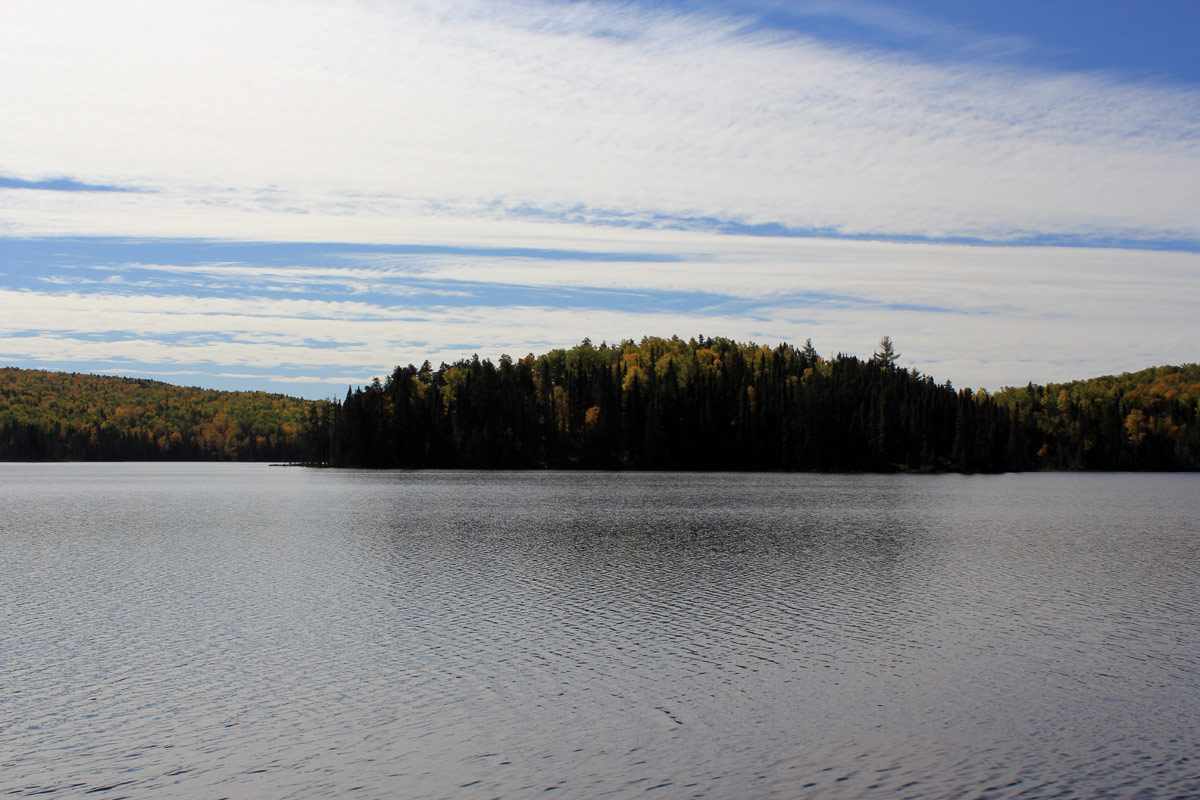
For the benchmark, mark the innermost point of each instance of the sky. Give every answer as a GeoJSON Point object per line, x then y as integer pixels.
{"type": "Point", "coordinates": [299, 196]}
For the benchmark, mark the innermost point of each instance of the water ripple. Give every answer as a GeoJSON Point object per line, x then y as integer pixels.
{"type": "Point", "coordinates": [232, 630]}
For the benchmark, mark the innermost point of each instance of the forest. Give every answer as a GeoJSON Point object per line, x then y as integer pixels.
{"type": "Point", "coordinates": [716, 404]}
{"type": "Point", "coordinates": [57, 416]}
{"type": "Point", "coordinates": [667, 404]}
{"type": "Point", "coordinates": [1144, 420]}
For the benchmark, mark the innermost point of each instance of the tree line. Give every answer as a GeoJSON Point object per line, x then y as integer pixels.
{"type": "Point", "coordinates": [716, 404]}
{"type": "Point", "coordinates": [55, 416]}
{"type": "Point", "coordinates": [700, 404]}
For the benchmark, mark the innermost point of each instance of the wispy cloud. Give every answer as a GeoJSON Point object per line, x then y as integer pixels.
{"type": "Point", "coordinates": [901, 27]}
{"type": "Point", "coordinates": [487, 110]}
{"type": "Point", "coordinates": [981, 316]}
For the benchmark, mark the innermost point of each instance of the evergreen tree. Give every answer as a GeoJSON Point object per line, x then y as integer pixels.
{"type": "Point", "coordinates": [886, 355]}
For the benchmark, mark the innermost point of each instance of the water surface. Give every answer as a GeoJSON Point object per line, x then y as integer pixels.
{"type": "Point", "coordinates": [232, 630]}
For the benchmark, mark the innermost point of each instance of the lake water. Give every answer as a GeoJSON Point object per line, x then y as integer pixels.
{"type": "Point", "coordinates": [232, 630]}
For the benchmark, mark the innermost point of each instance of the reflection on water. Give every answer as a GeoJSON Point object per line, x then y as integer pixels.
{"type": "Point", "coordinates": [237, 630]}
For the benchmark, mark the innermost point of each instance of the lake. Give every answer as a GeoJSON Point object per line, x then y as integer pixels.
{"type": "Point", "coordinates": [238, 630]}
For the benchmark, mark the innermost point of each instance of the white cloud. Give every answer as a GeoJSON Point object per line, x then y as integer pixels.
{"type": "Point", "coordinates": [372, 111]}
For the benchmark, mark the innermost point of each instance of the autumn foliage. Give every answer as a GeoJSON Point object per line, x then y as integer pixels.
{"type": "Point", "coordinates": [1147, 420]}
{"type": "Point", "coordinates": [697, 404]}
{"type": "Point", "coordinates": [69, 416]}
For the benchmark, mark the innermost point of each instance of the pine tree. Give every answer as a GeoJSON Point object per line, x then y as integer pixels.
{"type": "Point", "coordinates": [886, 355]}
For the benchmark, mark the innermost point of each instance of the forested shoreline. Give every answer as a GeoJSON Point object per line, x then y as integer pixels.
{"type": "Point", "coordinates": [716, 404]}
{"type": "Point", "coordinates": [664, 404]}
{"type": "Point", "coordinates": [60, 416]}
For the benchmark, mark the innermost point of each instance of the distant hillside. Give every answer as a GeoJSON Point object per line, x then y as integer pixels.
{"type": "Point", "coordinates": [68, 416]}
{"type": "Point", "coordinates": [1147, 420]}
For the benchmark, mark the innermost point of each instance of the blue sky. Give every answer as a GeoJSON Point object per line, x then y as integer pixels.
{"type": "Point", "coordinates": [297, 196]}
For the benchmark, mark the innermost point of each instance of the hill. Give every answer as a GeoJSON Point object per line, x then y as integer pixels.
{"type": "Point", "coordinates": [70, 416]}
{"type": "Point", "coordinates": [1146, 420]}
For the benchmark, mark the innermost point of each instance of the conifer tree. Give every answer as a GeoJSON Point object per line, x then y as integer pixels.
{"type": "Point", "coordinates": [886, 355]}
